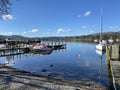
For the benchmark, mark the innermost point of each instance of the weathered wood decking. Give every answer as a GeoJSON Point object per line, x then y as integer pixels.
{"type": "Point", "coordinates": [115, 65]}
{"type": "Point", "coordinates": [115, 52]}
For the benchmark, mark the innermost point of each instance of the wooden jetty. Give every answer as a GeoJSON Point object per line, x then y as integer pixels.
{"type": "Point", "coordinates": [115, 67]}
{"type": "Point", "coordinates": [115, 52]}
{"type": "Point", "coordinates": [11, 51]}
{"type": "Point", "coordinates": [25, 48]}
{"type": "Point", "coordinates": [113, 60]}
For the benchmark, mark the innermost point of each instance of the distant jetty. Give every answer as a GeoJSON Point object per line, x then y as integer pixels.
{"type": "Point", "coordinates": [14, 47]}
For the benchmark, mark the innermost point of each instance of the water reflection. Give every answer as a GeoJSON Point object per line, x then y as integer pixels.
{"type": "Point", "coordinates": [101, 68]}
{"type": "Point", "coordinates": [43, 52]}
{"type": "Point", "coordinates": [10, 58]}
{"type": "Point", "coordinates": [99, 52]}
{"type": "Point", "coordinates": [78, 61]}
{"type": "Point", "coordinates": [100, 76]}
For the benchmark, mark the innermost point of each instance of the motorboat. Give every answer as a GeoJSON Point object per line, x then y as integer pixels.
{"type": "Point", "coordinates": [41, 47]}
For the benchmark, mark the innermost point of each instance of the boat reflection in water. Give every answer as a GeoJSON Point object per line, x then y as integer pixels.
{"type": "Point", "coordinates": [100, 53]}
{"type": "Point", "coordinates": [44, 49]}
{"type": "Point", "coordinates": [48, 52]}
{"type": "Point", "coordinates": [45, 52]}
{"type": "Point", "coordinates": [10, 58]}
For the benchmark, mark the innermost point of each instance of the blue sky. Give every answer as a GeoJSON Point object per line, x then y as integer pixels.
{"type": "Point", "coordinates": [43, 18]}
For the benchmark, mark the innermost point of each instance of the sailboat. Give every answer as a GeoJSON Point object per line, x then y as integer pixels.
{"type": "Point", "coordinates": [101, 46]}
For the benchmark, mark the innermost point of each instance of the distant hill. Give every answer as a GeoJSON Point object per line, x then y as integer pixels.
{"type": "Point", "coordinates": [88, 38]}
{"type": "Point", "coordinates": [13, 37]}
{"type": "Point", "coordinates": [91, 37]}
{"type": "Point", "coordinates": [18, 37]}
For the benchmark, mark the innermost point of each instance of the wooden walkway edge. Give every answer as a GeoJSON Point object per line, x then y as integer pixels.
{"type": "Point", "coordinates": [113, 54]}
{"type": "Point", "coordinates": [115, 67]}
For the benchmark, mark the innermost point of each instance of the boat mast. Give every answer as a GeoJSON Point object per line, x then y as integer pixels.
{"type": "Point", "coordinates": [101, 25]}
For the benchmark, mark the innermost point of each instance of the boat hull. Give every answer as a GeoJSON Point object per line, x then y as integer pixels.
{"type": "Point", "coordinates": [101, 47]}
{"type": "Point", "coordinates": [42, 49]}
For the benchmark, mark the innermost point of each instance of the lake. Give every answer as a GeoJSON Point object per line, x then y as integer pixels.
{"type": "Point", "coordinates": [79, 62]}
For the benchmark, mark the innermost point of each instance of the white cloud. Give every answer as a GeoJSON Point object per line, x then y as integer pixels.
{"type": "Point", "coordinates": [88, 27]}
{"type": "Point", "coordinates": [49, 33]}
{"type": "Point", "coordinates": [92, 31]}
{"type": "Point", "coordinates": [83, 27]}
{"type": "Point", "coordinates": [114, 27]}
{"type": "Point", "coordinates": [7, 17]}
{"type": "Point", "coordinates": [31, 31]}
{"type": "Point", "coordinates": [34, 30]}
{"type": "Point", "coordinates": [24, 32]}
{"type": "Point", "coordinates": [8, 33]}
{"type": "Point", "coordinates": [88, 13]}
{"type": "Point", "coordinates": [62, 30]}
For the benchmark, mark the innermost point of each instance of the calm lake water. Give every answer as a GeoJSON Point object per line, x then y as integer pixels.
{"type": "Point", "coordinates": [79, 61]}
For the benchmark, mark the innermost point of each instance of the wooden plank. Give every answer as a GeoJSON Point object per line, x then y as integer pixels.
{"type": "Point", "coordinates": [115, 52]}
{"type": "Point", "coordinates": [115, 67]}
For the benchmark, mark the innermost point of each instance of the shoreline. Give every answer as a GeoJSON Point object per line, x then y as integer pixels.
{"type": "Point", "coordinates": [13, 79]}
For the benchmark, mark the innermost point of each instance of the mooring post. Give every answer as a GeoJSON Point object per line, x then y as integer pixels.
{"type": "Point", "coordinates": [118, 52]}
{"type": "Point", "coordinates": [108, 65]}
{"type": "Point", "coordinates": [108, 55]}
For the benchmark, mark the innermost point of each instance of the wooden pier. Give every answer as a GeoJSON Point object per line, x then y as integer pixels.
{"type": "Point", "coordinates": [113, 55]}
{"type": "Point", "coordinates": [11, 51]}
{"type": "Point", "coordinates": [115, 67]}
{"type": "Point", "coordinates": [115, 52]}
{"type": "Point", "coordinates": [21, 49]}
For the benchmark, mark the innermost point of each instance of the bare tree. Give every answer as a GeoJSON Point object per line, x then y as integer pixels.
{"type": "Point", "coordinates": [4, 7]}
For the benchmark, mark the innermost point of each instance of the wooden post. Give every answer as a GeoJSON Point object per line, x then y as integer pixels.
{"type": "Point", "coordinates": [108, 55]}
{"type": "Point", "coordinates": [119, 51]}
{"type": "Point", "coordinates": [115, 52]}
{"type": "Point", "coordinates": [108, 66]}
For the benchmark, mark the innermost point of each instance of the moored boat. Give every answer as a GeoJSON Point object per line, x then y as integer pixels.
{"type": "Point", "coordinates": [102, 44]}
{"type": "Point", "coordinates": [41, 47]}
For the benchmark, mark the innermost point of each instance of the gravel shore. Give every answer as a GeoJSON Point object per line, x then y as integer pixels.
{"type": "Point", "coordinates": [12, 79]}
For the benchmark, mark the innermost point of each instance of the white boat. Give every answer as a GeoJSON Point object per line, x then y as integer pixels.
{"type": "Point", "coordinates": [41, 47]}
{"type": "Point", "coordinates": [96, 41]}
{"type": "Point", "coordinates": [110, 40]}
{"type": "Point", "coordinates": [102, 45]}
{"type": "Point", "coordinates": [2, 46]}
{"type": "Point", "coordinates": [99, 52]}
